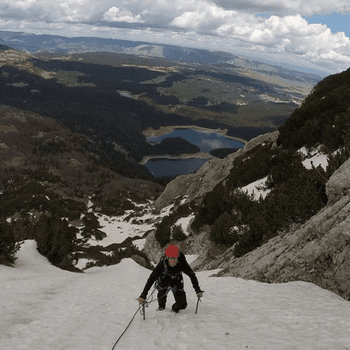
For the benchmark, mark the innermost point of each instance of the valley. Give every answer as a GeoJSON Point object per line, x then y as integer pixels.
{"type": "Point", "coordinates": [153, 92]}
{"type": "Point", "coordinates": [109, 155]}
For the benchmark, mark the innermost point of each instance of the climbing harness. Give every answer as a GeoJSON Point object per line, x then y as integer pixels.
{"type": "Point", "coordinates": [141, 308]}
{"type": "Point", "coordinates": [167, 273]}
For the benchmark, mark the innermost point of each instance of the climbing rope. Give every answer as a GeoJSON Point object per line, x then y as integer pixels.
{"type": "Point", "coordinates": [141, 308]}
{"type": "Point", "coordinates": [126, 327]}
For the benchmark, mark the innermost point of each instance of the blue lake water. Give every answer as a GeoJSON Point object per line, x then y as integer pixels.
{"type": "Point", "coordinates": [206, 141]}
{"type": "Point", "coordinates": [160, 167]}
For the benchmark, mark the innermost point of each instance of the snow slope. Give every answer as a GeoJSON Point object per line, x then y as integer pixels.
{"type": "Point", "coordinates": [257, 189]}
{"type": "Point", "coordinates": [43, 308]}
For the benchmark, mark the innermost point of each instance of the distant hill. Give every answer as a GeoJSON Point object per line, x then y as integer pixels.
{"type": "Point", "coordinates": [48, 176]}
{"type": "Point", "coordinates": [61, 45]}
{"type": "Point", "coordinates": [68, 166]}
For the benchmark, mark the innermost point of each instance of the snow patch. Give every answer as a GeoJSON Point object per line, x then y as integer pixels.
{"type": "Point", "coordinates": [184, 223]}
{"type": "Point", "coordinates": [257, 189]}
{"type": "Point", "coordinates": [119, 228]}
{"type": "Point", "coordinates": [83, 263]}
{"type": "Point", "coordinates": [313, 157]}
{"type": "Point", "coordinates": [139, 243]}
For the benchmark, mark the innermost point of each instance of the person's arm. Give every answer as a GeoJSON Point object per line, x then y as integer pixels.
{"type": "Point", "coordinates": [151, 279]}
{"type": "Point", "coordinates": [190, 273]}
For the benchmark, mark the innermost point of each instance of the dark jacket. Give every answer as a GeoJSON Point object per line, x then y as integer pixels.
{"type": "Point", "coordinates": [167, 274]}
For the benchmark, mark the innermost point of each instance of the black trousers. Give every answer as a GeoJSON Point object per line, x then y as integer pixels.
{"type": "Point", "coordinates": [179, 295]}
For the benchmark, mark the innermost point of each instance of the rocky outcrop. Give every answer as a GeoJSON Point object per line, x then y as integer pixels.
{"type": "Point", "coordinates": [199, 244]}
{"type": "Point", "coordinates": [152, 248]}
{"type": "Point", "coordinates": [338, 185]}
{"type": "Point", "coordinates": [140, 260]}
{"type": "Point", "coordinates": [195, 186]}
{"type": "Point", "coordinates": [317, 251]}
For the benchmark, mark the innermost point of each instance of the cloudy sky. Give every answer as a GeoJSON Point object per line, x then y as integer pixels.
{"type": "Point", "coordinates": [311, 33]}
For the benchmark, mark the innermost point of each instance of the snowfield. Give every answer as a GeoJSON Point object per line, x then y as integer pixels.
{"type": "Point", "coordinates": [44, 308]}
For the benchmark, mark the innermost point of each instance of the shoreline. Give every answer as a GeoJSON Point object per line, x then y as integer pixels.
{"type": "Point", "coordinates": [163, 130]}
{"type": "Point", "coordinates": [180, 157]}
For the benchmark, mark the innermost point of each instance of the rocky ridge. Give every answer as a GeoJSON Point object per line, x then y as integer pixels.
{"type": "Point", "coordinates": [317, 251]}
{"type": "Point", "coordinates": [196, 185]}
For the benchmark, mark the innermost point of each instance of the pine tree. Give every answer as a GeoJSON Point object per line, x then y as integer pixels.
{"type": "Point", "coordinates": [8, 246]}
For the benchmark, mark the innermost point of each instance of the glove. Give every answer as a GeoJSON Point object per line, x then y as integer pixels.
{"type": "Point", "coordinates": [200, 294]}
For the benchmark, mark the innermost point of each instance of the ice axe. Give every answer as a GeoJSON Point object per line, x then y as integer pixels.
{"type": "Point", "coordinates": [142, 304]}
{"type": "Point", "coordinates": [143, 311]}
{"type": "Point", "coordinates": [198, 300]}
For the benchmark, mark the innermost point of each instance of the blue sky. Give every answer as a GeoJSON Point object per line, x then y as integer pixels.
{"type": "Point", "coordinates": [336, 22]}
{"type": "Point", "coordinates": [312, 34]}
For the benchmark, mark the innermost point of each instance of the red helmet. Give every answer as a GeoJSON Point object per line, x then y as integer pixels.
{"type": "Point", "coordinates": [172, 251]}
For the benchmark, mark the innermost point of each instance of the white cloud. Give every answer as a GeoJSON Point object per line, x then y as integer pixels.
{"type": "Point", "coordinates": [289, 34]}
{"type": "Point", "coordinates": [115, 14]}
{"type": "Point", "coordinates": [17, 5]}
{"type": "Point", "coordinates": [217, 24]}
{"type": "Point", "coordinates": [210, 17]}
{"type": "Point", "coordinates": [304, 7]}
{"type": "Point", "coordinates": [293, 34]}
{"type": "Point", "coordinates": [89, 9]}
{"type": "Point", "coordinates": [51, 11]}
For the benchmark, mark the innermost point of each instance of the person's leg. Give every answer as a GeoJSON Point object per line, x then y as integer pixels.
{"type": "Point", "coordinates": [162, 295]}
{"type": "Point", "coordinates": [162, 298]}
{"type": "Point", "coordinates": [180, 300]}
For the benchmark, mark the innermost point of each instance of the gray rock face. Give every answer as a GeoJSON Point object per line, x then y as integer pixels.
{"type": "Point", "coordinates": [317, 251]}
{"type": "Point", "coordinates": [140, 260]}
{"type": "Point", "coordinates": [339, 184]}
{"type": "Point", "coordinates": [152, 248]}
{"type": "Point", "coordinates": [195, 186]}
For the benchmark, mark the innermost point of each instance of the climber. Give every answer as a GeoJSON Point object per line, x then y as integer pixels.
{"type": "Point", "coordinates": [168, 273]}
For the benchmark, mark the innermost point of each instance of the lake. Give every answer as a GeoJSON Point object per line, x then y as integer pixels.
{"type": "Point", "coordinates": [161, 167]}
{"type": "Point", "coordinates": [206, 141]}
